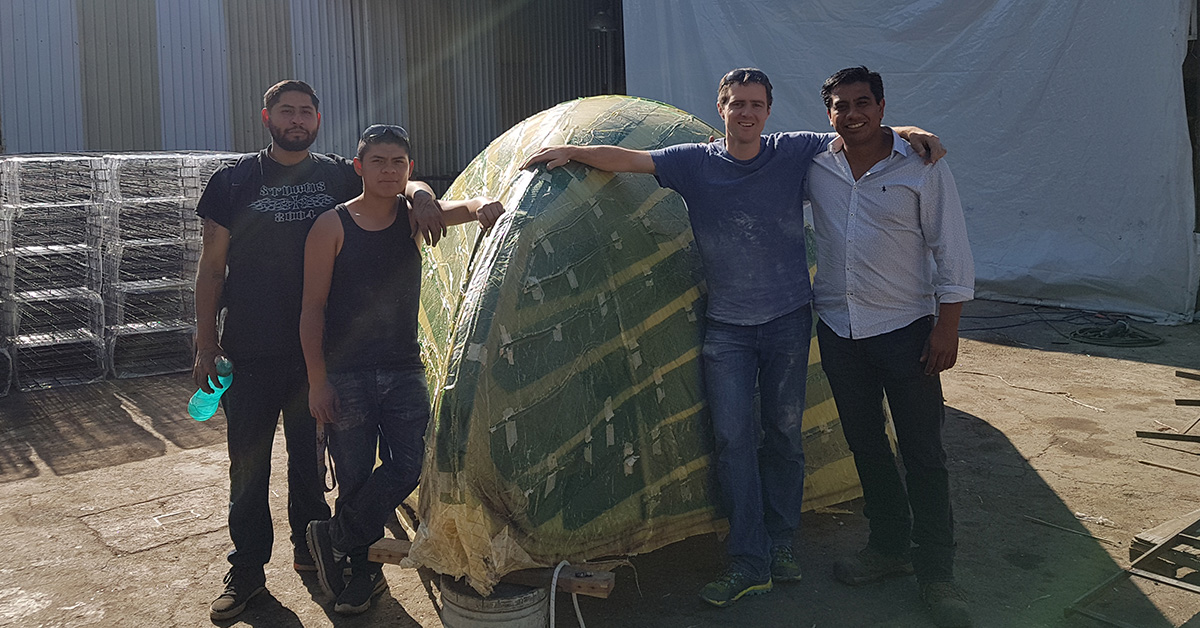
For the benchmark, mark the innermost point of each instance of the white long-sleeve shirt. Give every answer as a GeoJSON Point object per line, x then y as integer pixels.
{"type": "Point", "coordinates": [890, 246]}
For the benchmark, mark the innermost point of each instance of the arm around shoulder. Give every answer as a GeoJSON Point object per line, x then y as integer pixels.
{"type": "Point", "coordinates": [927, 145]}
{"type": "Point", "coordinates": [425, 217]}
{"type": "Point", "coordinates": [604, 157]}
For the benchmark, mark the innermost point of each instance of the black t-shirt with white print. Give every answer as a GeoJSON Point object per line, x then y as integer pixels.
{"type": "Point", "coordinates": [268, 209]}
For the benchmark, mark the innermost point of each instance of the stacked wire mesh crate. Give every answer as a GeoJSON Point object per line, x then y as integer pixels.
{"type": "Point", "coordinates": [51, 230]}
{"type": "Point", "coordinates": [150, 249]}
{"type": "Point", "coordinates": [97, 261]}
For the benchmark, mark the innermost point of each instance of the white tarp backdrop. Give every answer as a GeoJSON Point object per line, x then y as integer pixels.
{"type": "Point", "coordinates": [1065, 121]}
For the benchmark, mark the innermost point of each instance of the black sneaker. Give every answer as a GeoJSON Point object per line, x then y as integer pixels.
{"type": "Point", "coordinates": [302, 560]}
{"type": "Point", "coordinates": [329, 565]}
{"type": "Point", "coordinates": [870, 565]}
{"type": "Point", "coordinates": [241, 584]}
{"type": "Point", "coordinates": [947, 605]}
{"type": "Point", "coordinates": [363, 585]}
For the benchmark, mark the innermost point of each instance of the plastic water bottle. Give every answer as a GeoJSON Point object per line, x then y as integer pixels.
{"type": "Point", "coordinates": [203, 405]}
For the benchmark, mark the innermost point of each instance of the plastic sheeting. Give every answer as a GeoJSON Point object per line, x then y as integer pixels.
{"type": "Point", "coordinates": [563, 351]}
{"type": "Point", "coordinates": [1065, 122]}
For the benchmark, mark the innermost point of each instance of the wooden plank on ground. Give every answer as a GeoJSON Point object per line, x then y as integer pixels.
{"type": "Point", "coordinates": [390, 551]}
{"type": "Point", "coordinates": [1168, 467]}
{"type": "Point", "coordinates": [1187, 402]}
{"type": "Point", "coordinates": [1187, 375]}
{"type": "Point", "coordinates": [1187, 438]}
{"type": "Point", "coordinates": [572, 579]}
{"type": "Point", "coordinates": [1166, 530]}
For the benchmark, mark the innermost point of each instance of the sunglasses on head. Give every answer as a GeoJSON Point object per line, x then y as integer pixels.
{"type": "Point", "coordinates": [744, 75]}
{"type": "Point", "coordinates": [376, 131]}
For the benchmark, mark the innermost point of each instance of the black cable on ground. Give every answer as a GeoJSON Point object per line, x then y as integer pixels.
{"type": "Point", "coordinates": [1118, 334]}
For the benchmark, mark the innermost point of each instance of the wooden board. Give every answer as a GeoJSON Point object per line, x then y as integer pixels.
{"type": "Point", "coordinates": [572, 579]}
{"type": "Point", "coordinates": [1182, 555]}
{"type": "Point", "coordinates": [1187, 438]}
{"type": "Point", "coordinates": [1187, 375]}
{"type": "Point", "coordinates": [390, 551]}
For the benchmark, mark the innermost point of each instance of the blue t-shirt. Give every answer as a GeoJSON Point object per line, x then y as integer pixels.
{"type": "Point", "coordinates": [748, 221]}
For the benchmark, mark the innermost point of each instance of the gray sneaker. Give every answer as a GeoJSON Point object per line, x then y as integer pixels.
{"type": "Point", "coordinates": [869, 565]}
{"type": "Point", "coordinates": [947, 604]}
{"type": "Point", "coordinates": [363, 585]}
{"type": "Point", "coordinates": [241, 585]}
{"type": "Point", "coordinates": [731, 586]}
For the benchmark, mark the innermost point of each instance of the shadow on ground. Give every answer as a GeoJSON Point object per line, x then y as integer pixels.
{"type": "Point", "coordinates": [80, 428]}
{"type": "Point", "coordinates": [1017, 573]}
{"type": "Point", "coordinates": [1050, 329]}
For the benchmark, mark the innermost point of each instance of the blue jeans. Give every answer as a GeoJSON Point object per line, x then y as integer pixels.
{"type": "Point", "coordinates": [384, 408]}
{"type": "Point", "coordinates": [917, 509]}
{"type": "Point", "coordinates": [262, 389]}
{"type": "Point", "coordinates": [761, 481]}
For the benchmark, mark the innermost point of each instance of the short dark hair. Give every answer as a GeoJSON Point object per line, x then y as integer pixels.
{"type": "Point", "coordinates": [742, 76]}
{"type": "Point", "coordinates": [846, 76]}
{"type": "Point", "coordinates": [377, 134]}
{"type": "Point", "coordinates": [275, 91]}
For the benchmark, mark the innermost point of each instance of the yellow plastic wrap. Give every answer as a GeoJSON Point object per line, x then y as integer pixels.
{"type": "Point", "coordinates": [563, 350]}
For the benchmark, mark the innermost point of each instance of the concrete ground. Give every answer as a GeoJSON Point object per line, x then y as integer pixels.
{"type": "Point", "coordinates": [112, 503]}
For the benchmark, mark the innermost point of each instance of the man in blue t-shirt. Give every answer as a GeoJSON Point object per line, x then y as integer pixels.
{"type": "Point", "coordinates": [744, 196]}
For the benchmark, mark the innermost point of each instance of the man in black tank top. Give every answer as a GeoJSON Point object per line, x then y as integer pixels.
{"type": "Point", "coordinates": [358, 328]}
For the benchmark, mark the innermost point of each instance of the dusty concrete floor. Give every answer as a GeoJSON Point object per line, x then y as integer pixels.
{"type": "Point", "coordinates": [112, 503]}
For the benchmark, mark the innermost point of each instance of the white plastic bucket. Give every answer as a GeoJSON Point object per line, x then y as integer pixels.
{"type": "Point", "coordinates": [509, 606]}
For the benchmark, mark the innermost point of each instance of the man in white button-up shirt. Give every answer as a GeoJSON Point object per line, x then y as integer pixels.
{"type": "Point", "coordinates": [893, 270]}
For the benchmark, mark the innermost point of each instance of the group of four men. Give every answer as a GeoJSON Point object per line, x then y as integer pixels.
{"type": "Point", "coordinates": [893, 266]}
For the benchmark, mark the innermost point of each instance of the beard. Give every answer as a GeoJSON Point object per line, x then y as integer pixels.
{"type": "Point", "coordinates": [294, 144]}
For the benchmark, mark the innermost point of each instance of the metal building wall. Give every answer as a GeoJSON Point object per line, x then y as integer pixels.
{"type": "Point", "coordinates": [189, 74]}
{"type": "Point", "coordinates": [259, 55]}
{"type": "Point", "coordinates": [380, 60]}
{"type": "Point", "coordinates": [323, 56]}
{"type": "Point", "coordinates": [193, 75]}
{"type": "Point", "coordinates": [469, 69]}
{"type": "Point", "coordinates": [40, 101]}
{"type": "Point", "coordinates": [121, 108]}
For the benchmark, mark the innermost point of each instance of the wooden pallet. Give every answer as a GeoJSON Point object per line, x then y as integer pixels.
{"type": "Point", "coordinates": [1175, 543]}
{"type": "Point", "coordinates": [583, 578]}
{"type": "Point", "coordinates": [1181, 555]}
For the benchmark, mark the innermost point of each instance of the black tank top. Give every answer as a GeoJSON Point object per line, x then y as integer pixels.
{"type": "Point", "coordinates": [371, 314]}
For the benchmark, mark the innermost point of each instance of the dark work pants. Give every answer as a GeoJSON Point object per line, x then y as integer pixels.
{"type": "Point", "coordinates": [384, 409]}
{"type": "Point", "coordinates": [917, 509]}
{"type": "Point", "coordinates": [261, 390]}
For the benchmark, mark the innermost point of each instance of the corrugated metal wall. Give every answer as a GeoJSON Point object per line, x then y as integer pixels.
{"type": "Point", "coordinates": [323, 56]}
{"type": "Point", "coordinates": [195, 103]}
{"type": "Point", "coordinates": [121, 108]}
{"type": "Point", "coordinates": [41, 107]}
{"type": "Point", "coordinates": [381, 62]}
{"type": "Point", "coordinates": [189, 74]}
{"type": "Point", "coordinates": [259, 55]}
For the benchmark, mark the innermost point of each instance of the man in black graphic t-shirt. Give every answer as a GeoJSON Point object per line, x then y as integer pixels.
{"type": "Point", "coordinates": [257, 214]}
